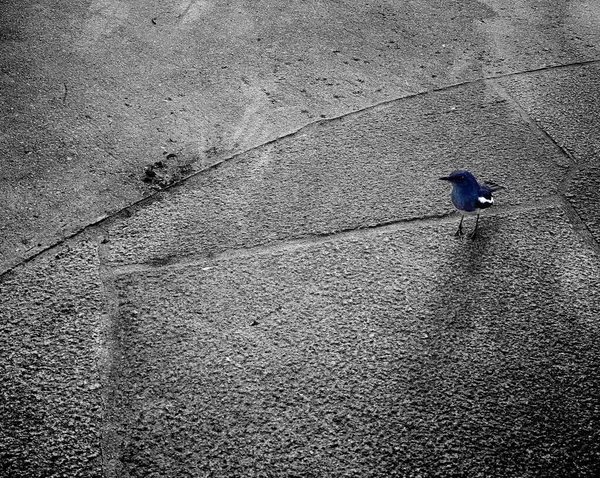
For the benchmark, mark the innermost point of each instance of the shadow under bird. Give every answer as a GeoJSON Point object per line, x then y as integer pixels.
{"type": "Point", "coordinates": [470, 197]}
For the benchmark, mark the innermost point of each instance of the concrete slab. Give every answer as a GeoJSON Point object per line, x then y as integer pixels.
{"type": "Point", "coordinates": [51, 333]}
{"type": "Point", "coordinates": [96, 92]}
{"type": "Point", "coordinates": [398, 351]}
{"type": "Point", "coordinates": [566, 104]}
{"type": "Point", "coordinates": [379, 166]}
{"type": "Point", "coordinates": [303, 309]}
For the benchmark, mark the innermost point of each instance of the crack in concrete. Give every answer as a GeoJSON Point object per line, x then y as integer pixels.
{"type": "Point", "coordinates": [300, 242]}
{"type": "Point", "coordinates": [127, 210]}
{"type": "Point", "coordinates": [534, 125]}
{"type": "Point", "coordinates": [573, 166]}
{"type": "Point", "coordinates": [109, 358]}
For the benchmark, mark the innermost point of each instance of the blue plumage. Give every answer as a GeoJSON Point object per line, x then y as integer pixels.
{"type": "Point", "coordinates": [470, 197]}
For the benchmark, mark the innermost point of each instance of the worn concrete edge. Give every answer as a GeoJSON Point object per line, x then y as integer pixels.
{"type": "Point", "coordinates": [129, 209]}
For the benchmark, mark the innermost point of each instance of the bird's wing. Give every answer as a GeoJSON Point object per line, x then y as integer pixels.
{"type": "Point", "coordinates": [484, 197]}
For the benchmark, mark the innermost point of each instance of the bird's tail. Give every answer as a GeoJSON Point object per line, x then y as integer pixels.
{"type": "Point", "coordinates": [491, 186]}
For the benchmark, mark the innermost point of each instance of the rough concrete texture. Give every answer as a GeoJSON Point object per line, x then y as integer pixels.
{"type": "Point", "coordinates": [300, 307]}
{"type": "Point", "coordinates": [362, 355]}
{"type": "Point", "coordinates": [364, 169]}
{"type": "Point", "coordinates": [96, 92]}
{"type": "Point", "coordinates": [50, 338]}
{"type": "Point", "coordinates": [566, 105]}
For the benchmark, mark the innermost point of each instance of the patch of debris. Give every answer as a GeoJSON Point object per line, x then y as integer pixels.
{"type": "Point", "coordinates": [167, 171]}
{"type": "Point", "coordinates": [157, 175]}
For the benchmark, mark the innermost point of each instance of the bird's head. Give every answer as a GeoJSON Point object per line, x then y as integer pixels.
{"type": "Point", "coordinates": [461, 179]}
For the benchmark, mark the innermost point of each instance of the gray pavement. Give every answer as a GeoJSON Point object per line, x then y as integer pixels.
{"type": "Point", "coordinates": [96, 92]}
{"type": "Point", "coordinates": [226, 252]}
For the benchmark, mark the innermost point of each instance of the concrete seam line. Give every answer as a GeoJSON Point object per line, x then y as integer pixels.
{"type": "Point", "coordinates": [299, 242]}
{"type": "Point", "coordinates": [150, 198]}
{"type": "Point", "coordinates": [573, 166]}
{"type": "Point", "coordinates": [534, 125]}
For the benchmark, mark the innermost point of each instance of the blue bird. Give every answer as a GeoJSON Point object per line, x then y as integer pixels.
{"type": "Point", "coordinates": [470, 197]}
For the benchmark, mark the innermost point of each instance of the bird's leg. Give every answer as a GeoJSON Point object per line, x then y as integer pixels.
{"type": "Point", "coordinates": [474, 233]}
{"type": "Point", "coordinates": [459, 232]}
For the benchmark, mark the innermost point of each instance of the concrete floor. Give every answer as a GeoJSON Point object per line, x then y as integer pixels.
{"type": "Point", "coordinates": [225, 250]}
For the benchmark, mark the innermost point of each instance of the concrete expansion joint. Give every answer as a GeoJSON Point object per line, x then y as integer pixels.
{"type": "Point", "coordinates": [360, 231]}
{"type": "Point", "coordinates": [491, 80]}
{"type": "Point", "coordinates": [573, 166]}
{"type": "Point", "coordinates": [579, 225]}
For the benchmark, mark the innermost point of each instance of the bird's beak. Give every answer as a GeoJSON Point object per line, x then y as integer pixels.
{"type": "Point", "coordinates": [445, 178]}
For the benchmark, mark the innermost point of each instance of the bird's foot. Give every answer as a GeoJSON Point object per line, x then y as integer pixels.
{"type": "Point", "coordinates": [459, 231]}
{"type": "Point", "coordinates": [472, 234]}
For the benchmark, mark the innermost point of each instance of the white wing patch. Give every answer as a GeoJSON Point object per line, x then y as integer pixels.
{"type": "Point", "coordinates": [482, 200]}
